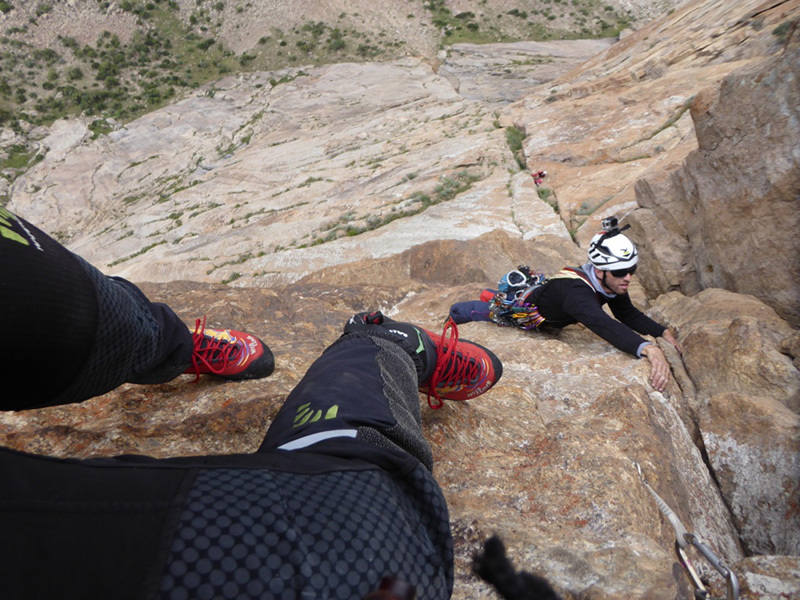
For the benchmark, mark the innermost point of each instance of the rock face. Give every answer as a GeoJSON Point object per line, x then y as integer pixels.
{"type": "Point", "coordinates": [316, 193]}
{"type": "Point", "coordinates": [733, 208]}
{"type": "Point", "coordinates": [504, 73]}
{"type": "Point", "coordinates": [545, 459]}
{"type": "Point", "coordinates": [624, 114]}
{"type": "Point", "coordinates": [268, 183]}
{"type": "Point", "coordinates": [754, 443]}
{"type": "Point", "coordinates": [747, 399]}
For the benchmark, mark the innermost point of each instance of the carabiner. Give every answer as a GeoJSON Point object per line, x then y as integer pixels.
{"type": "Point", "coordinates": [683, 538]}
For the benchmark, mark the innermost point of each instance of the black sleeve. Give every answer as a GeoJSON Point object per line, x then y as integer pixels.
{"type": "Point", "coordinates": [625, 311]}
{"type": "Point", "coordinates": [582, 304]}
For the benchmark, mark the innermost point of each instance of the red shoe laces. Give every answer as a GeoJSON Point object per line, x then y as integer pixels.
{"type": "Point", "coordinates": [210, 354]}
{"type": "Point", "coordinates": [450, 366]}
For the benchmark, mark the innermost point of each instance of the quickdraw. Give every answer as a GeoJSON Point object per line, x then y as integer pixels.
{"type": "Point", "coordinates": [683, 539]}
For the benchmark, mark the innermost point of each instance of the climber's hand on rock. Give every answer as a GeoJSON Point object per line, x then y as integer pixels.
{"type": "Point", "coordinates": [667, 335]}
{"type": "Point", "coordinates": [659, 367]}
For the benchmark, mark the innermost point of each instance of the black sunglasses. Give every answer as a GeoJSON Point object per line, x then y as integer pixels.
{"type": "Point", "coordinates": [620, 273]}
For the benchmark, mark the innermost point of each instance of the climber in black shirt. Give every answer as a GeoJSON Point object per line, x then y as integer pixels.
{"type": "Point", "coordinates": [577, 295]}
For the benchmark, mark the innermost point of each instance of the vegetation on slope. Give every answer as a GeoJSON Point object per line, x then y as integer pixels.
{"type": "Point", "coordinates": [173, 49]}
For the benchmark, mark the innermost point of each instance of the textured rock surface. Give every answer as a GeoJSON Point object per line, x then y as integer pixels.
{"type": "Point", "coordinates": [624, 114]}
{"type": "Point", "coordinates": [340, 148]}
{"type": "Point", "coordinates": [191, 196]}
{"type": "Point", "coordinates": [733, 207]}
{"type": "Point", "coordinates": [771, 577]}
{"type": "Point", "coordinates": [747, 397]}
{"type": "Point", "coordinates": [754, 445]}
{"type": "Point", "coordinates": [545, 459]}
{"type": "Point", "coordinates": [751, 339]}
{"type": "Point", "coordinates": [506, 72]}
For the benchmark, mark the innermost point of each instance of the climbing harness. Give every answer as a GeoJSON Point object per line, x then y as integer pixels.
{"type": "Point", "coordinates": [514, 314]}
{"type": "Point", "coordinates": [683, 539]}
{"type": "Point", "coordinates": [509, 306]}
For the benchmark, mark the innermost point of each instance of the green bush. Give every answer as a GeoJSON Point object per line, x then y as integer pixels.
{"type": "Point", "coordinates": [47, 55]}
{"type": "Point", "coordinates": [367, 50]}
{"type": "Point", "coordinates": [781, 30]}
{"type": "Point", "coordinates": [336, 40]}
{"type": "Point", "coordinates": [99, 127]}
{"type": "Point", "coordinates": [315, 29]}
{"type": "Point", "coordinates": [514, 139]}
{"type": "Point", "coordinates": [70, 42]}
{"type": "Point", "coordinates": [18, 157]}
{"type": "Point", "coordinates": [6, 116]}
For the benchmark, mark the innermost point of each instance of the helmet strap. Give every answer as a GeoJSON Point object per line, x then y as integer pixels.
{"type": "Point", "coordinates": [603, 280]}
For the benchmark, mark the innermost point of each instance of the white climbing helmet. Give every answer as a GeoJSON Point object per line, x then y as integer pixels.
{"type": "Point", "coordinates": [611, 250]}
